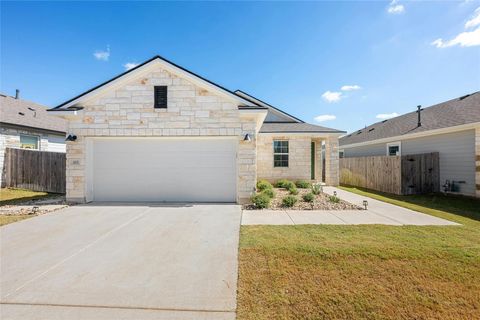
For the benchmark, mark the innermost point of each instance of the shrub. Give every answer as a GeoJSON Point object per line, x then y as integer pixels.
{"type": "Point", "coordinates": [261, 200]}
{"type": "Point", "coordinates": [293, 190]}
{"type": "Point", "coordinates": [302, 184]}
{"type": "Point", "coordinates": [281, 183]}
{"type": "Point", "coordinates": [289, 185]}
{"type": "Point", "coordinates": [317, 189]}
{"type": "Point", "coordinates": [289, 201]}
{"type": "Point", "coordinates": [333, 199]}
{"type": "Point", "coordinates": [309, 197]}
{"type": "Point", "coordinates": [263, 185]}
{"type": "Point", "coordinates": [269, 192]}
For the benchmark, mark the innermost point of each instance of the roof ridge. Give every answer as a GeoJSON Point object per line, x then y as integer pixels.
{"type": "Point", "coordinates": [136, 68]}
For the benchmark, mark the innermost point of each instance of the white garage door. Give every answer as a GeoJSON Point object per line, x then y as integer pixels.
{"type": "Point", "coordinates": [164, 169]}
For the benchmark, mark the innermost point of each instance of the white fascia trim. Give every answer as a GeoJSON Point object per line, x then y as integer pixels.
{"type": "Point", "coordinates": [146, 68]}
{"type": "Point", "coordinates": [415, 135]}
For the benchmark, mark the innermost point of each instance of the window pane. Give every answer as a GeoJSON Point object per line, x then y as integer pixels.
{"type": "Point", "coordinates": [280, 146]}
{"type": "Point", "coordinates": [280, 160]}
{"type": "Point", "coordinates": [28, 142]}
{"type": "Point", "coordinates": [393, 150]}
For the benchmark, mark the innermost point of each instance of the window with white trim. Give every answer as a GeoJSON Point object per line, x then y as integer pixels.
{"type": "Point", "coordinates": [280, 153]}
{"type": "Point", "coordinates": [394, 149]}
{"type": "Point", "coordinates": [28, 142]}
{"type": "Point", "coordinates": [341, 153]}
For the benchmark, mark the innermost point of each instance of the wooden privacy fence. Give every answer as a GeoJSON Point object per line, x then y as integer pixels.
{"type": "Point", "coordinates": [409, 174]}
{"type": "Point", "coordinates": [35, 170]}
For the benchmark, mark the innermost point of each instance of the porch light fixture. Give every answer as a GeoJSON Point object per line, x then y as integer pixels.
{"type": "Point", "coordinates": [365, 204]}
{"type": "Point", "coordinates": [71, 137]}
{"type": "Point", "coordinates": [247, 138]}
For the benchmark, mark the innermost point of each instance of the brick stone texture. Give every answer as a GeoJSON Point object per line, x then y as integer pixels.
{"type": "Point", "coordinates": [299, 166]}
{"type": "Point", "coordinates": [192, 111]}
{"type": "Point", "coordinates": [331, 162]}
{"type": "Point", "coordinates": [477, 161]}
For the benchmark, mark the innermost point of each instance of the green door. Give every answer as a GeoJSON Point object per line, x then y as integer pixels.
{"type": "Point", "coordinates": [312, 161]}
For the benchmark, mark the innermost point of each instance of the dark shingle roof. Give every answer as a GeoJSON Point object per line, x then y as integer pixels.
{"type": "Point", "coordinates": [463, 110]}
{"type": "Point", "coordinates": [294, 127]}
{"type": "Point", "coordinates": [28, 114]}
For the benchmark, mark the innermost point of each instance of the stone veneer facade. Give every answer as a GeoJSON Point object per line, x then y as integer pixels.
{"type": "Point", "coordinates": [299, 166]}
{"type": "Point", "coordinates": [332, 177]}
{"type": "Point", "coordinates": [192, 111]}
{"type": "Point", "coordinates": [477, 161]}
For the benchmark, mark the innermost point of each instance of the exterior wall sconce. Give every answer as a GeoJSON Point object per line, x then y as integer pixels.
{"type": "Point", "coordinates": [365, 204]}
{"type": "Point", "coordinates": [247, 138]}
{"type": "Point", "coordinates": [71, 137]}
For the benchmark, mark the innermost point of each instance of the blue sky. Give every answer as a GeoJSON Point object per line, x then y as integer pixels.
{"type": "Point", "coordinates": [388, 56]}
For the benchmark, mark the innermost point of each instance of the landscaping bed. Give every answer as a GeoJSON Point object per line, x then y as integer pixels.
{"type": "Point", "coordinates": [19, 204]}
{"type": "Point", "coordinates": [300, 195]}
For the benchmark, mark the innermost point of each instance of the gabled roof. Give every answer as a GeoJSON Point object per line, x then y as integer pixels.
{"type": "Point", "coordinates": [25, 113]}
{"type": "Point", "coordinates": [259, 102]}
{"type": "Point", "coordinates": [455, 112]}
{"type": "Point", "coordinates": [67, 105]}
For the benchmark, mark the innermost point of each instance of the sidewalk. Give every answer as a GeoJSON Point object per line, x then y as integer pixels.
{"type": "Point", "coordinates": [378, 213]}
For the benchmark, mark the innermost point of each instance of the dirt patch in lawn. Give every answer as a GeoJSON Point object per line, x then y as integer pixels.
{"type": "Point", "coordinates": [321, 201]}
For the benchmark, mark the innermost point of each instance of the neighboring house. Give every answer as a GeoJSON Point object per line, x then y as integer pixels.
{"type": "Point", "coordinates": [451, 128]}
{"type": "Point", "coordinates": [27, 125]}
{"type": "Point", "coordinates": [159, 132]}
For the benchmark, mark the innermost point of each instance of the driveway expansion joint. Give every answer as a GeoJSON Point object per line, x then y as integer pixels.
{"type": "Point", "coordinates": [114, 307]}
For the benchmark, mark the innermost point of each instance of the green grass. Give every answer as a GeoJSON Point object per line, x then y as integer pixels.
{"type": "Point", "coordinates": [365, 272]}
{"type": "Point", "coordinates": [9, 196]}
{"type": "Point", "coordinates": [443, 206]}
{"type": "Point", "coordinates": [6, 219]}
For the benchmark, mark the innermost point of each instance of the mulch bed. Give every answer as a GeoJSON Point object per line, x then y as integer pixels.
{"type": "Point", "coordinates": [321, 202]}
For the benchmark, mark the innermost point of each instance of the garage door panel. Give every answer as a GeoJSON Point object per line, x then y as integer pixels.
{"type": "Point", "coordinates": [145, 169]}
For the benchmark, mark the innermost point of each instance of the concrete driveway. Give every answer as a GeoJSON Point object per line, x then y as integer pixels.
{"type": "Point", "coordinates": [122, 262]}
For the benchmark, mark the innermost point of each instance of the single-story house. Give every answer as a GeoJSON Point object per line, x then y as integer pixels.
{"type": "Point", "coordinates": [159, 132]}
{"type": "Point", "coordinates": [451, 128]}
{"type": "Point", "coordinates": [25, 124]}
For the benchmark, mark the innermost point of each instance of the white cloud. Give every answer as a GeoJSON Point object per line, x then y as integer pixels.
{"type": "Point", "coordinates": [325, 117]}
{"type": "Point", "coordinates": [386, 115]}
{"type": "Point", "coordinates": [130, 65]}
{"type": "Point", "coordinates": [464, 39]}
{"type": "Point", "coordinates": [351, 87]}
{"type": "Point", "coordinates": [330, 96]}
{"type": "Point", "coordinates": [395, 8]}
{"type": "Point", "coordinates": [474, 21]}
{"type": "Point", "coordinates": [102, 55]}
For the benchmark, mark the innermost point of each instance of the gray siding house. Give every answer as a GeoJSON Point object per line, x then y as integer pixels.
{"type": "Point", "coordinates": [27, 125]}
{"type": "Point", "coordinates": [451, 128]}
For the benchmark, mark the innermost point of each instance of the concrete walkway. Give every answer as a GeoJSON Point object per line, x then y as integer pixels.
{"type": "Point", "coordinates": [378, 212]}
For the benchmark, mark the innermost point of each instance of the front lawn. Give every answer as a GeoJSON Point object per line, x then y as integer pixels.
{"type": "Point", "coordinates": [365, 272]}
{"type": "Point", "coordinates": [9, 196]}
{"type": "Point", "coordinates": [6, 219]}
